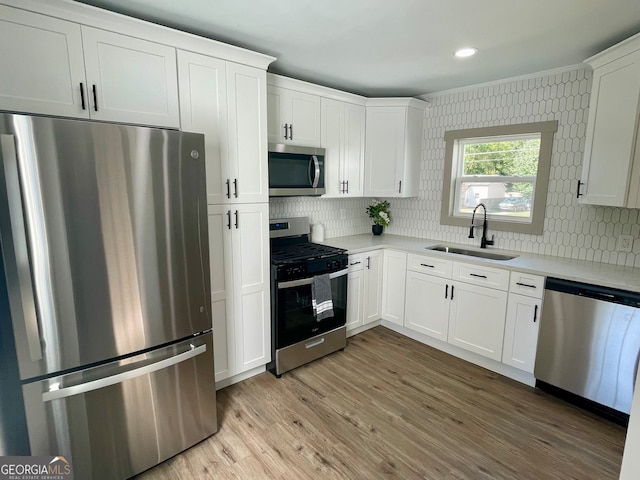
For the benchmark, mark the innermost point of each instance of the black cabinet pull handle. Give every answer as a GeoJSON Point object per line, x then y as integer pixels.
{"type": "Point", "coordinates": [446, 291]}
{"type": "Point", "coordinates": [228, 188]}
{"type": "Point", "coordinates": [476, 275]}
{"type": "Point", "coordinates": [578, 194]}
{"type": "Point", "coordinates": [229, 219]}
{"type": "Point", "coordinates": [236, 219]}
{"type": "Point", "coordinates": [286, 125]}
{"type": "Point", "coordinates": [425, 265]}
{"type": "Point", "coordinates": [400, 186]}
{"type": "Point", "coordinates": [291, 131]}
{"type": "Point", "coordinates": [355, 263]}
{"type": "Point", "coordinates": [235, 187]}
{"type": "Point", "coordinates": [535, 313]}
{"type": "Point", "coordinates": [526, 285]}
{"type": "Point", "coordinates": [347, 186]}
{"type": "Point", "coordinates": [95, 98]}
{"type": "Point", "coordinates": [451, 292]}
{"type": "Point", "coordinates": [82, 96]}
{"type": "Point", "coordinates": [368, 262]}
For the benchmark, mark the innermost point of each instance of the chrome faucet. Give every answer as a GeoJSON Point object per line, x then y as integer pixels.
{"type": "Point", "coordinates": [483, 242]}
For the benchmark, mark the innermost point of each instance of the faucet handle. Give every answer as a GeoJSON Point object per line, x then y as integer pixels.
{"type": "Point", "coordinates": [492, 241]}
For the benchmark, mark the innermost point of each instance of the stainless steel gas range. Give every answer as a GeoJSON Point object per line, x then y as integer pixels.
{"type": "Point", "coordinates": [299, 333]}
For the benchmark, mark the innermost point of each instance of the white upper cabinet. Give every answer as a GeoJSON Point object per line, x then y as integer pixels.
{"type": "Point", "coordinates": [203, 109]}
{"type": "Point", "coordinates": [247, 107]}
{"type": "Point", "coordinates": [42, 65]}
{"type": "Point", "coordinates": [294, 117]}
{"type": "Point", "coordinates": [342, 135]}
{"type": "Point", "coordinates": [130, 80]}
{"type": "Point", "coordinates": [44, 61]}
{"type": "Point", "coordinates": [227, 102]}
{"type": "Point", "coordinates": [393, 148]}
{"type": "Point", "coordinates": [611, 166]}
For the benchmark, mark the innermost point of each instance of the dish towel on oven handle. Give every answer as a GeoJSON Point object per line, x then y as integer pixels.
{"type": "Point", "coordinates": [321, 297]}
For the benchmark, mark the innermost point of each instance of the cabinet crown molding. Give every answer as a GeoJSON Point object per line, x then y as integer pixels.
{"type": "Point", "coordinates": [99, 18]}
{"type": "Point", "coordinates": [625, 47]}
{"type": "Point", "coordinates": [314, 89]}
{"type": "Point", "coordinates": [397, 102]}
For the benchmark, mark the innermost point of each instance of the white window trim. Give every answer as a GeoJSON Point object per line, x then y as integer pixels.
{"type": "Point", "coordinates": [534, 224]}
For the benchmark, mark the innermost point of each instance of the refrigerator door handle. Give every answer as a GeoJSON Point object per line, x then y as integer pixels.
{"type": "Point", "coordinates": [121, 377]}
{"type": "Point", "coordinates": [17, 242]}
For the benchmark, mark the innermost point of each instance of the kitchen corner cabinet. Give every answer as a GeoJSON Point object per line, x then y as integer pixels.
{"type": "Point", "coordinates": [393, 289]}
{"type": "Point", "coordinates": [393, 148]}
{"type": "Point", "coordinates": [44, 61]}
{"type": "Point", "coordinates": [524, 310]}
{"type": "Point", "coordinates": [342, 135]}
{"type": "Point", "coordinates": [239, 259]}
{"type": "Point", "coordinates": [293, 117]}
{"type": "Point", "coordinates": [611, 164]}
{"type": "Point", "coordinates": [227, 102]}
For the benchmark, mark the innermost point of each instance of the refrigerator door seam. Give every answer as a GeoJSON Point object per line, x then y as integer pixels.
{"type": "Point", "coordinates": [121, 377]}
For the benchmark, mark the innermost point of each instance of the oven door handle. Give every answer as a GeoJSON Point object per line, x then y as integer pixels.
{"type": "Point", "coordinates": [309, 281]}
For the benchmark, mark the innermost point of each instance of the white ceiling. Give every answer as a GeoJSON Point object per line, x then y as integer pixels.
{"type": "Point", "coordinates": [401, 47]}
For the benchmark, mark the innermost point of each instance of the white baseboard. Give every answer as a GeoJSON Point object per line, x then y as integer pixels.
{"type": "Point", "coordinates": [225, 382]}
{"type": "Point", "coordinates": [363, 328]}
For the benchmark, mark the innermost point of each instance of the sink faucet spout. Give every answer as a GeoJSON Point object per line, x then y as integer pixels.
{"type": "Point", "coordinates": [483, 241]}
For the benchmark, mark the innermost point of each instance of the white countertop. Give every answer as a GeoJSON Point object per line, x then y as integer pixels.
{"type": "Point", "coordinates": [615, 276]}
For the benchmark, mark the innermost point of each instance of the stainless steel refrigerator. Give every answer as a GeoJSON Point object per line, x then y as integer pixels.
{"type": "Point", "coordinates": [106, 333]}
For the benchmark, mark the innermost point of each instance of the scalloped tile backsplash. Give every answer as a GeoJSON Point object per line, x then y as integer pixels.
{"type": "Point", "coordinates": [571, 230]}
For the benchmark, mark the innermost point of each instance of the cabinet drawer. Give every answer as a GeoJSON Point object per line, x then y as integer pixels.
{"type": "Point", "coordinates": [356, 262]}
{"type": "Point", "coordinates": [480, 275]}
{"type": "Point", "coordinates": [430, 265]}
{"type": "Point", "coordinates": [526, 284]}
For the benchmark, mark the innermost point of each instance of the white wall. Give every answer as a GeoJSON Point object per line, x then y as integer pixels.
{"type": "Point", "coordinates": [571, 230]}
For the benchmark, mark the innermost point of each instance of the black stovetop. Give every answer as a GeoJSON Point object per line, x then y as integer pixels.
{"type": "Point", "coordinates": [297, 252]}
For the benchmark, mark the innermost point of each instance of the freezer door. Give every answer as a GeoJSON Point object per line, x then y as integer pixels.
{"type": "Point", "coordinates": [104, 236]}
{"type": "Point", "coordinates": [124, 417]}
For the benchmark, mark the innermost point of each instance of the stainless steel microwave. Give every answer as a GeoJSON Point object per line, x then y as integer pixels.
{"type": "Point", "coordinates": [295, 170]}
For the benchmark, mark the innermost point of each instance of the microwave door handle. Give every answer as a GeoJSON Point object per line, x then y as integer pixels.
{"type": "Point", "coordinates": [316, 165]}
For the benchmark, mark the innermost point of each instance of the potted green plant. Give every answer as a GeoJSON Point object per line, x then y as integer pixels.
{"type": "Point", "coordinates": [379, 212]}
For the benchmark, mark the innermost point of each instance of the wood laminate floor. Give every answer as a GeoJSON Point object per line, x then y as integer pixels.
{"type": "Point", "coordinates": [390, 407]}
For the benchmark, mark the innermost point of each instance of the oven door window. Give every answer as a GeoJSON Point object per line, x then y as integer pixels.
{"type": "Point", "coordinates": [295, 319]}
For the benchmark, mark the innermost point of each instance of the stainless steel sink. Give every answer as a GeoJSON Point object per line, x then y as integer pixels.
{"type": "Point", "coordinates": [472, 253]}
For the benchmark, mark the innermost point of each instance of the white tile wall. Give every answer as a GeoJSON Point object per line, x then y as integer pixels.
{"type": "Point", "coordinates": [571, 230]}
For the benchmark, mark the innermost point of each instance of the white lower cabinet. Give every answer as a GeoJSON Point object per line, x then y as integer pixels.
{"type": "Point", "coordinates": [476, 319]}
{"type": "Point", "coordinates": [393, 290]}
{"type": "Point", "coordinates": [239, 259]}
{"type": "Point", "coordinates": [524, 311]}
{"type": "Point", "coordinates": [427, 305]}
{"type": "Point", "coordinates": [364, 289]}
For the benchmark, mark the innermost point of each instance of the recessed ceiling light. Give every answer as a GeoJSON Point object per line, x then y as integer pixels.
{"type": "Point", "coordinates": [466, 52]}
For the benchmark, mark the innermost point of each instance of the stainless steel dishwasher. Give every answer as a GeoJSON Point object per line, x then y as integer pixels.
{"type": "Point", "coordinates": [589, 342]}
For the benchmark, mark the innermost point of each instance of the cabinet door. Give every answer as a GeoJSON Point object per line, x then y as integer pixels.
{"type": "Point", "coordinates": [384, 151]}
{"type": "Point", "coordinates": [42, 64]}
{"type": "Point", "coordinates": [355, 298]}
{"type": "Point", "coordinates": [331, 139]}
{"type": "Point", "coordinates": [611, 132]}
{"type": "Point", "coordinates": [372, 286]}
{"type": "Point", "coordinates": [476, 319]}
{"type": "Point", "coordinates": [203, 109]}
{"type": "Point", "coordinates": [220, 261]}
{"type": "Point", "coordinates": [298, 111]}
{"type": "Point", "coordinates": [353, 150]}
{"type": "Point", "coordinates": [427, 305]}
{"type": "Point", "coordinates": [135, 81]}
{"type": "Point", "coordinates": [521, 332]}
{"type": "Point", "coordinates": [251, 276]}
{"type": "Point", "coordinates": [393, 290]}
{"type": "Point", "coordinates": [247, 133]}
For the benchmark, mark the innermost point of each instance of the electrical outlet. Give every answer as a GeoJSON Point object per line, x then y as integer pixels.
{"type": "Point", "coordinates": [625, 243]}
{"type": "Point", "coordinates": [343, 214]}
